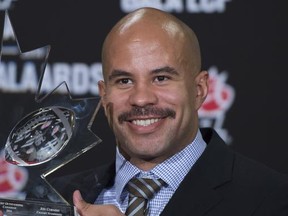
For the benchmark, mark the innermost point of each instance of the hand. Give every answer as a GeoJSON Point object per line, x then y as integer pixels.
{"type": "Point", "coordinates": [1, 213]}
{"type": "Point", "coordinates": [87, 209]}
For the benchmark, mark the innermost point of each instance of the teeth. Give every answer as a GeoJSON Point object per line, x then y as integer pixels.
{"type": "Point", "coordinates": [145, 122]}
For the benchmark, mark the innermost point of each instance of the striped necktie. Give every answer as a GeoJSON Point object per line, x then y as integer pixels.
{"type": "Point", "coordinates": [140, 191]}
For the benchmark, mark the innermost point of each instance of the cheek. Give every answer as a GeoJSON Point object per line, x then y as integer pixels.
{"type": "Point", "coordinates": [178, 97]}
{"type": "Point", "coordinates": [118, 101]}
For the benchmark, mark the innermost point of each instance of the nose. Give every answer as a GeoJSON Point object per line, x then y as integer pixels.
{"type": "Point", "coordinates": [143, 95]}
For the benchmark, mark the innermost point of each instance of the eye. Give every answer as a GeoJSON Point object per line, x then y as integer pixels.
{"type": "Point", "coordinates": [161, 78]}
{"type": "Point", "coordinates": [124, 81]}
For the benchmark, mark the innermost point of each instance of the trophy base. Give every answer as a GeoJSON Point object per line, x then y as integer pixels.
{"type": "Point", "coordinates": [35, 208]}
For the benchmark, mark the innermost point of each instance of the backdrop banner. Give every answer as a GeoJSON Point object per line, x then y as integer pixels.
{"type": "Point", "coordinates": [243, 46]}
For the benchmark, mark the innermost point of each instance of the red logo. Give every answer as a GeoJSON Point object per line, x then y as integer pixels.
{"type": "Point", "coordinates": [220, 96]}
{"type": "Point", "coordinates": [219, 99]}
{"type": "Point", "coordinates": [12, 179]}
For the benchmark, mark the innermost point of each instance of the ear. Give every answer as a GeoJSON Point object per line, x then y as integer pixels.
{"type": "Point", "coordinates": [202, 88]}
{"type": "Point", "coordinates": [102, 93]}
{"type": "Point", "coordinates": [108, 106]}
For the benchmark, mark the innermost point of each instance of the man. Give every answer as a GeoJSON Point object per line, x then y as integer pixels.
{"type": "Point", "coordinates": [153, 86]}
{"type": "Point", "coordinates": [152, 90]}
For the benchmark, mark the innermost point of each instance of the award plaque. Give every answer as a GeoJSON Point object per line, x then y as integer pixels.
{"type": "Point", "coordinates": [52, 134]}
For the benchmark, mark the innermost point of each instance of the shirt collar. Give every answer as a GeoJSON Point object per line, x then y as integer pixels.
{"type": "Point", "coordinates": [172, 171]}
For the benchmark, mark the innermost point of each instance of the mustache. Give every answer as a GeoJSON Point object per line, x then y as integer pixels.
{"type": "Point", "coordinates": [145, 111]}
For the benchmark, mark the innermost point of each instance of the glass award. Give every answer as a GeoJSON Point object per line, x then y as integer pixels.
{"type": "Point", "coordinates": [55, 131]}
{"type": "Point", "coordinates": [44, 141]}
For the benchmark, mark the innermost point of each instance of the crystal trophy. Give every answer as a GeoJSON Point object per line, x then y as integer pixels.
{"type": "Point", "coordinates": [44, 141]}
{"type": "Point", "coordinates": [55, 131]}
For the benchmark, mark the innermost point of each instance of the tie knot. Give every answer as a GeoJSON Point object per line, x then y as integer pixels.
{"type": "Point", "coordinates": [143, 187]}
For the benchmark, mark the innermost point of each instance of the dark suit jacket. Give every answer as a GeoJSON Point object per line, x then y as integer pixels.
{"type": "Point", "coordinates": [220, 183]}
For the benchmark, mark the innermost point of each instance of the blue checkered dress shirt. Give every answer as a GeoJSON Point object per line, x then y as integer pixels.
{"type": "Point", "coordinates": [172, 171]}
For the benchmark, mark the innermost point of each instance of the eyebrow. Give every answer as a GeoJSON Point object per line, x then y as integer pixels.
{"type": "Point", "coordinates": [118, 73]}
{"type": "Point", "coordinates": [166, 69]}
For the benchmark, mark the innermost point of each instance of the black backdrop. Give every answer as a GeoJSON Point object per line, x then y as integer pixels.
{"type": "Point", "coordinates": [245, 40]}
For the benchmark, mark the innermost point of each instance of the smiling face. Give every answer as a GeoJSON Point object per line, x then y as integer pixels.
{"type": "Point", "coordinates": [152, 87]}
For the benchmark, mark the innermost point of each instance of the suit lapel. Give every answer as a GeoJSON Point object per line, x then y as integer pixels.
{"type": "Point", "coordinates": [198, 192]}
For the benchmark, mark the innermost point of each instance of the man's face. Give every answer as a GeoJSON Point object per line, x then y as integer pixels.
{"type": "Point", "coordinates": [150, 98]}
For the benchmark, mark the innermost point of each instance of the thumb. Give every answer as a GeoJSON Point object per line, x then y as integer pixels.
{"type": "Point", "coordinates": [79, 203]}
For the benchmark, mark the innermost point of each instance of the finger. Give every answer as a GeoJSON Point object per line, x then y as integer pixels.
{"type": "Point", "coordinates": [77, 198]}
{"type": "Point", "coordinates": [79, 203]}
